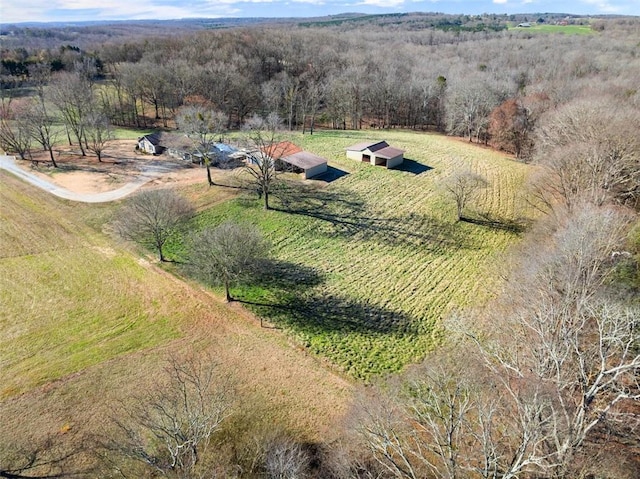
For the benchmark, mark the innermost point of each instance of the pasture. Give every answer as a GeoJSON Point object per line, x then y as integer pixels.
{"type": "Point", "coordinates": [365, 267]}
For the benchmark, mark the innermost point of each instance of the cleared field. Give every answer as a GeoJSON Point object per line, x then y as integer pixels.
{"type": "Point", "coordinates": [84, 324]}
{"type": "Point", "coordinates": [565, 29]}
{"type": "Point", "coordinates": [366, 267]}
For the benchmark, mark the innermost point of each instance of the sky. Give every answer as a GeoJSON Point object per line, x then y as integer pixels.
{"type": "Point", "coordinates": [13, 11]}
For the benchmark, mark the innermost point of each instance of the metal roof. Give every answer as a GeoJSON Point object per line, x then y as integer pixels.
{"type": "Point", "coordinates": [304, 160]}
{"type": "Point", "coordinates": [373, 146]}
{"type": "Point", "coordinates": [389, 152]}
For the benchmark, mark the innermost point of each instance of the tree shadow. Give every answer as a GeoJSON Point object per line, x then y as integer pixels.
{"type": "Point", "coordinates": [412, 166]}
{"type": "Point", "coordinates": [285, 295]}
{"type": "Point", "coordinates": [346, 214]}
{"type": "Point", "coordinates": [516, 226]}
{"type": "Point", "coordinates": [332, 174]}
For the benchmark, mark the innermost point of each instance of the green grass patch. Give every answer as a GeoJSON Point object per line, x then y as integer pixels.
{"type": "Point", "coordinates": [564, 29]}
{"type": "Point", "coordinates": [69, 299]}
{"type": "Point", "coordinates": [365, 268]}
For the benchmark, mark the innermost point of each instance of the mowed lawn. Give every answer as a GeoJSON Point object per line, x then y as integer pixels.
{"type": "Point", "coordinates": [67, 298]}
{"type": "Point", "coordinates": [366, 267]}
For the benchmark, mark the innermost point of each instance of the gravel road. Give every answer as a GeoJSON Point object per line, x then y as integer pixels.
{"type": "Point", "coordinates": [149, 173]}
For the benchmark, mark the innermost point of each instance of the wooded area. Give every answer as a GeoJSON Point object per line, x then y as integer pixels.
{"type": "Point", "coordinates": [543, 381]}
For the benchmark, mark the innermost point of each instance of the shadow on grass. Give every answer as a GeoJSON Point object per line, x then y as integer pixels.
{"type": "Point", "coordinates": [346, 214]}
{"type": "Point", "coordinates": [489, 221]}
{"type": "Point", "coordinates": [284, 295]}
{"type": "Point", "coordinates": [412, 166]}
{"type": "Point", "coordinates": [332, 174]}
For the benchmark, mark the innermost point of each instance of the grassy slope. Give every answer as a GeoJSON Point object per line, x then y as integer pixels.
{"type": "Point", "coordinates": [67, 299]}
{"type": "Point", "coordinates": [370, 264]}
{"type": "Point", "coordinates": [83, 324]}
{"type": "Point", "coordinates": [566, 29]}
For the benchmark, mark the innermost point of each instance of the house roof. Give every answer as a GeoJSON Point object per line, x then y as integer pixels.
{"type": "Point", "coordinates": [153, 138]}
{"type": "Point", "coordinates": [373, 146]}
{"type": "Point", "coordinates": [280, 150]}
{"type": "Point", "coordinates": [304, 160]}
{"type": "Point", "coordinates": [389, 152]}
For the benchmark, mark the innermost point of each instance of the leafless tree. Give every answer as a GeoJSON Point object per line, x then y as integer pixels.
{"type": "Point", "coordinates": [285, 458]}
{"type": "Point", "coordinates": [203, 127]}
{"type": "Point", "coordinates": [226, 254]}
{"type": "Point", "coordinates": [263, 139]}
{"type": "Point", "coordinates": [72, 94]}
{"type": "Point", "coordinates": [40, 124]}
{"type": "Point", "coordinates": [98, 132]}
{"type": "Point", "coordinates": [566, 358]}
{"type": "Point", "coordinates": [168, 430]}
{"type": "Point", "coordinates": [463, 185]}
{"type": "Point", "coordinates": [14, 129]}
{"type": "Point", "coordinates": [151, 217]}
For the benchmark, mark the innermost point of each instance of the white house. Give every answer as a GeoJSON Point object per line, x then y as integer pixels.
{"type": "Point", "coordinates": [150, 144]}
{"type": "Point", "coordinates": [376, 153]}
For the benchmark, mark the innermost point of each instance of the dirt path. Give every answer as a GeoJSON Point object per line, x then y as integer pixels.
{"type": "Point", "coordinates": [148, 173]}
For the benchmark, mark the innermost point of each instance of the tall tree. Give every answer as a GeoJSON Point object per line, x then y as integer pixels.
{"type": "Point", "coordinates": [98, 132]}
{"type": "Point", "coordinates": [204, 128]}
{"type": "Point", "coordinates": [151, 217]}
{"type": "Point", "coordinates": [226, 254]}
{"type": "Point", "coordinates": [72, 94]}
{"type": "Point", "coordinates": [266, 146]}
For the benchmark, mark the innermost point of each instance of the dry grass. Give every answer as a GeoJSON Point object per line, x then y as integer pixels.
{"type": "Point", "coordinates": [83, 323]}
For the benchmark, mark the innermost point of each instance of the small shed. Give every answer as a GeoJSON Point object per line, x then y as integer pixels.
{"type": "Point", "coordinates": [290, 157]}
{"type": "Point", "coordinates": [150, 144]}
{"type": "Point", "coordinates": [305, 162]}
{"type": "Point", "coordinates": [376, 153]}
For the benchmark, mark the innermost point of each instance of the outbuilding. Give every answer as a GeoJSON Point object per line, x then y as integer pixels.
{"type": "Point", "coordinates": [376, 153]}
{"type": "Point", "coordinates": [150, 144]}
{"type": "Point", "coordinates": [290, 157]}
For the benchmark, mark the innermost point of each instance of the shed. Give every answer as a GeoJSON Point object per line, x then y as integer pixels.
{"type": "Point", "coordinates": [288, 156]}
{"type": "Point", "coordinates": [305, 162]}
{"type": "Point", "coordinates": [150, 144]}
{"type": "Point", "coordinates": [376, 153]}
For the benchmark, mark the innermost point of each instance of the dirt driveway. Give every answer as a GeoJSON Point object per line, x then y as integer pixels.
{"type": "Point", "coordinates": [84, 179]}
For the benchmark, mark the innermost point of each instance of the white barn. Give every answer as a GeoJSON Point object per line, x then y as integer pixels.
{"type": "Point", "coordinates": [376, 153]}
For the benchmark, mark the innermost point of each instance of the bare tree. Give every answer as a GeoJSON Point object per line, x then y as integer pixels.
{"type": "Point", "coordinates": [227, 254]}
{"type": "Point", "coordinates": [72, 94]}
{"type": "Point", "coordinates": [285, 458]}
{"type": "Point", "coordinates": [463, 185]}
{"type": "Point", "coordinates": [41, 127]}
{"type": "Point", "coordinates": [152, 217]}
{"type": "Point", "coordinates": [14, 129]}
{"type": "Point", "coordinates": [168, 430]}
{"type": "Point", "coordinates": [98, 133]}
{"type": "Point", "coordinates": [265, 146]}
{"type": "Point", "coordinates": [566, 359]}
{"type": "Point", "coordinates": [203, 127]}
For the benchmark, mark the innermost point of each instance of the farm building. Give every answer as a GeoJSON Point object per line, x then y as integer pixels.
{"type": "Point", "coordinates": [376, 153]}
{"type": "Point", "coordinates": [290, 157]}
{"type": "Point", "coordinates": [150, 144]}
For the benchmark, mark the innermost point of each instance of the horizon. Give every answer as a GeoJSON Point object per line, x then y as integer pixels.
{"type": "Point", "coordinates": [81, 11]}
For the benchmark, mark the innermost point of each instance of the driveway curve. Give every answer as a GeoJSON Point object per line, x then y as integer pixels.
{"type": "Point", "coordinates": [149, 173]}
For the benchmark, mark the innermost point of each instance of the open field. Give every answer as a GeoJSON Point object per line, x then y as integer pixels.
{"type": "Point", "coordinates": [84, 324]}
{"type": "Point", "coordinates": [368, 265]}
{"type": "Point", "coordinates": [565, 29]}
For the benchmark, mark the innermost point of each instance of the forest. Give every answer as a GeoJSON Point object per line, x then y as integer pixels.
{"type": "Point", "coordinates": [539, 381]}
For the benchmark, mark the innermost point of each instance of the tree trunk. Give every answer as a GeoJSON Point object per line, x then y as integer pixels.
{"type": "Point", "coordinates": [227, 294]}
{"type": "Point", "coordinates": [266, 200]}
{"type": "Point", "coordinates": [160, 254]}
{"type": "Point", "coordinates": [53, 160]}
{"type": "Point", "coordinates": [209, 179]}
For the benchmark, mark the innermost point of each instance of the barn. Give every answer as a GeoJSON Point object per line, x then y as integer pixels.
{"type": "Point", "coordinates": [376, 153]}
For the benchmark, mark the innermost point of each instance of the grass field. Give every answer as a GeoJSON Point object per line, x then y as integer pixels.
{"type": "Point", "coordinates": [565, 29]}
{"type": "Point", "coordinates": [85, 324]}
{"type": "Point", "coordinates": [366, 267]}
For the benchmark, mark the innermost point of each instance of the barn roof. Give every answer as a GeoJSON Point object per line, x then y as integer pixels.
{"type": "Point", "coordinates": [373, 146]}
{"type": "Point", "coordinates": [389, 152]}
{"type": "Point", "coordinates": [304, 160]}
{"type": "Point", "coordinates": [153, 138]}
{"type": "Point", "coordinates": [280, 150]}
